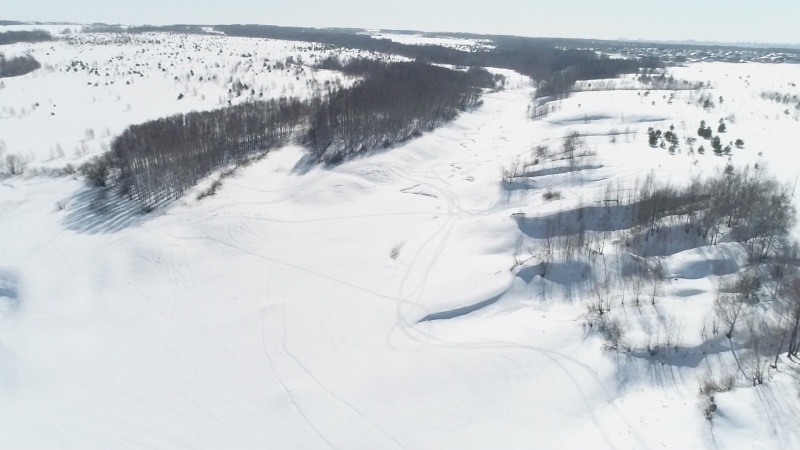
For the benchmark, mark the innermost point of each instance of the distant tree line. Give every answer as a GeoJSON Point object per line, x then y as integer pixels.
{"type": "Point", "coordinates": [12, 37]}
{"type": "Point", "coordinates": [103, 28]}
{"type": "Point", "coordinates": [554, 67]}
{"type": "Point", "coordinates": [158, 160]}
{"type": "Point", "coordinates": [393, 103]}
{"type": "Point", "coordinates": [17, 66]}
{"type": "Point", "coordinates": [781, 97]}
{"type": "Point", "coordinates": [656, 81]}
{"type": "Point", "coordinates": [550, 62]}
{"type": "Point", "coordinates": [544, 60]}
{"type": "Point", "coordinates": [186, 29]}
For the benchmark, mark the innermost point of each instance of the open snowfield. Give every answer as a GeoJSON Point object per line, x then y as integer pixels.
{"type": "Point", "coordinates": [462, 44]}
{"type": "Point", "coordinates": [396, 301]}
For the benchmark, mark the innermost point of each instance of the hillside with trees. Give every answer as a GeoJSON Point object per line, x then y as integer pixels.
{"type": "Point", "coordinates": [158, 160]}
{"type": "Point", "coordinates": [394, 103]}
{"type": "Point", "coordinates": [16, 66]}
{"type": "Point", "coordinates": [13, 37]}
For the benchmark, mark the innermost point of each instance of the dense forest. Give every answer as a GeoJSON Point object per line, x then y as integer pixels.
{"type": "Point", "coordinates": [12, 37]}
{"type": "Point", "coordinates": [17, 66]}
{"type": "Point", "coordinates": [392, 104]}
{"type": "Point", "coordinates": [158, 160]}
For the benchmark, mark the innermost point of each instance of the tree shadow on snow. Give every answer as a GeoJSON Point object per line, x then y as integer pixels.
{"type": "Point", "coordinates": [305, 164]}
{"type": "Point", "coordinates": [97, 211]}
{"type": "Point", "coordinates": [9, 288]}
{"type": "Point", "coordinates": [565, 281]}
{"type": "Point", "coordinates": [588, 218]}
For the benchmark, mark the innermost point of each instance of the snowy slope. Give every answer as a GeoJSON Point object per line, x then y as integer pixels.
{"type": "Point", "coordinates": [378, 304]}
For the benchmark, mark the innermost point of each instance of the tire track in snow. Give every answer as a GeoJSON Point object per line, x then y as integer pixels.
{"type": "Point", "coordinates": [401, 317]}
{"type": "Point", "coordinates": [316, 381]}
{"type": "Point", "coordinates": [453, 204]}
{"type": "Point", "coordinates": [299, 268]}
{"type": "Point", "coordinates": [551, 355]}
{"type": "Point", "coordinates": [286, 390]}
{"type": "Point", "coordinates": [285, 350]}
{"type": "Point", "coordinates": [403, 301]}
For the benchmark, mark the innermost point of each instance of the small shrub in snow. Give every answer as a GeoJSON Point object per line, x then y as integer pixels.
{"type": "Point", "coordinates": [15, 164]}
{"type": "Point", "coordinates": [541, 151]}
{"type": "Point", "coordinates": [212, 190]}
{"type": "Point", "coordinates": [551, 195]}
{"type": "Point", "coordinates": [710, 385]}
{"type": "Point", "coordinates": [612, 331]}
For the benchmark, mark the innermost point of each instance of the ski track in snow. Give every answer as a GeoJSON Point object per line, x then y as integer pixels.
{"type": "Point", "coordinates": [433, 180]}
{"type": "Point", "coordinates": [454, 205]}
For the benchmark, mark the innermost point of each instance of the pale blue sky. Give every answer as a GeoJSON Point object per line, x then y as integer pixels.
{"type": "Point", "coordinates": [721, 20]}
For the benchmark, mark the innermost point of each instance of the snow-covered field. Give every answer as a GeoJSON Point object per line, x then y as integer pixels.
{"type": "Point", "coordinates": [92, 86]}
{"type": "Point", "coordinates": [395, 301]}
{"type": "Point", "coordinates": [463, 44]}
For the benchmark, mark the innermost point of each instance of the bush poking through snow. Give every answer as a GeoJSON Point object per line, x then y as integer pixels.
{"type": "Point", "coordinates": [551, 195]}
{"type": "Point", "coordinates": [216, 184]}
{"type": "Point", "coordinates": [710, 384]}
{"type": "Point", "coordinates": [14, 164]}
{"type": "Point", "coordinates": [598, 318]}
{"type": "Point", "coordinates": [212, 190]}
{"type": "Point", "coordinates": [612, 331]}
{"type": "Point", "coordinates": [97, 170]}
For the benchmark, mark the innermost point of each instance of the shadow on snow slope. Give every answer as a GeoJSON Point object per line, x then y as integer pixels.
{"type": "Point", "coordinates": [9, 287]}
{"type": "Point", "coordinates": [588, 218]}
{"type": "Point", "coordinates": [565, 276]}
{"type": "Point", "coordinates": [94, 211]}
{"type": "Point", "coordinates": [462, 311]}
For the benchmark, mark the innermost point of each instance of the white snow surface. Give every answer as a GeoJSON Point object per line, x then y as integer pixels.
{"type": "Point", "coordinates": [285, 311]}
{"type": "Point", "coordinates": [463, 44]}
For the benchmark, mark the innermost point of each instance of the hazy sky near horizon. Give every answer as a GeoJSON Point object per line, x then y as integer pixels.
{"type": "Point", "coordinates": [773, 21]}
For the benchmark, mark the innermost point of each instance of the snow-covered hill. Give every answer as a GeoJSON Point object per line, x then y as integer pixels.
{"type": "Point", "coordinates": [403, 300]}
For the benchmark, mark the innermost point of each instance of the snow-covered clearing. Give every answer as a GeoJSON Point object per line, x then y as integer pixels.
{"type": "Point", "coordinates": [463, 44]}
{"type": "Point", "coordinates": [396, 301]}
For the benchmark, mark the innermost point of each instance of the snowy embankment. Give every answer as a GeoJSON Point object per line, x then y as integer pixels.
{"type": "Point", "coordinates": [401, 300]}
